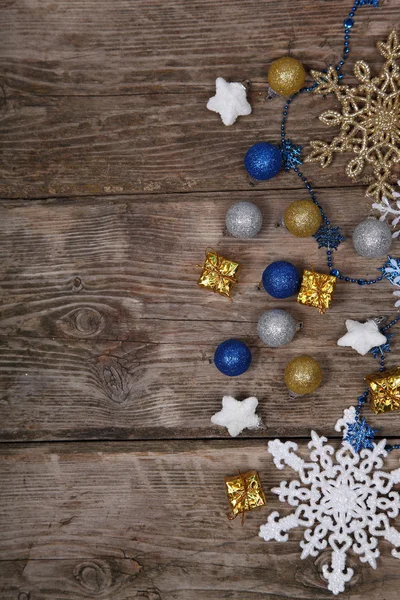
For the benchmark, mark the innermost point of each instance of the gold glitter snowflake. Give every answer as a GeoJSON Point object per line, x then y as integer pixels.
{"type": "Point", "coordinates": [369, 120]}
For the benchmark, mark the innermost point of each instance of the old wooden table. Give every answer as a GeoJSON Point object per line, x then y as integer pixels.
{"type": "Point", "coordinates": [115, 178]}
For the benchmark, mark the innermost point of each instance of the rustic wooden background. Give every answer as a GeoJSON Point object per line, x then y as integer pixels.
{"type": "Point", "coordinates": [114, 179]}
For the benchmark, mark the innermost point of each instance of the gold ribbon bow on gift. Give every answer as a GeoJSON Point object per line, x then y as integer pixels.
{"type": "Point", "coordinates": [219, 273]}
{"type": "Point", "coordinates": [317, 290]}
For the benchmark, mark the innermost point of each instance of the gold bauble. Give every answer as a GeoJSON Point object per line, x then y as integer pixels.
{"type": "Point", "coordinates": [286, 76]}
{"type": "Point", "coordinates": [303, 375]}
{"type": "Point", "coordinates": [302, 218]}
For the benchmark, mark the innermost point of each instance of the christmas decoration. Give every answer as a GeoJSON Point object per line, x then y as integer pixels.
{"type": "Point", "coordinates": [281, 279]}
{"type": "Point", "coordinates": [372, 238]}
{"type": "Point", "coordinates": [317, 290]}
{"type": "Point", "coordinates": [263, 161]}
{"type": "Point", "coordinates": [219, 273]}
{"type": "Point", "coordinates": [368, 119]}
{"type": "Point", "coordinates": [341, 498]}
{"type": "Point", "coordinates": [384, 390]}
{"type": "Point", "coordinates": [290, 155]}
{"type": "Point", "coordinates": [377, 351]}
{"type": "Point", "coordinates": [302, 218]}
{"type": "Point", "coordinates": [356, 431]}
{"type": "Point", "coordinates": [236, 415]}
{"type": "Point", "coordinates": [243, 220]}
{"type": "Point", "coordinates": [230, 101]}
{"type": "Point", "coordinates": [303, 375]}
{"type": "Point", "coordinates": [329, 237]}
{"type": "Point", "coordinates": [286, 76]}
{"type": "Point", "coordinates": [391, 270]}
{"type": "Point", "coordinates": [276, 327]}
{"type": "Point", "coordinates": [232, 357]}
{"type": "Point", "coordinates": [362, 336]}
{"type": "Point", "coordinates": [244, 493]}
{"type": "Point", "coordinates": [390, 210]}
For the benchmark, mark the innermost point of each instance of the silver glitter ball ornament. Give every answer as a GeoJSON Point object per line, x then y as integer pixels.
{"type": "Point", "coordinates": [372, 238]}
{"type": "Point", "coordinates": [276, 327]}
{"type": "Point", "coordinates": [243, 220]}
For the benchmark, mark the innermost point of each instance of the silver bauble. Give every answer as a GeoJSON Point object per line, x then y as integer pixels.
{"type": "Point", "coordinates": [243, 220]}
{"type": "Point", "coordinates": [276, 327]}
{"type": "Point", "coordinates": [372, 238]}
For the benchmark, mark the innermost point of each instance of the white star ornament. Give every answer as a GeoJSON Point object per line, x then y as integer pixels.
{"type": "Point", "coordinates": [230, 101]}
{"type": "Point", "coordinates": [362, 336]}
{"type": "Point", "coordinates": [236, 415]}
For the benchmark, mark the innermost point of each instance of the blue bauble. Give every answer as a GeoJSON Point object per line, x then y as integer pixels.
{"type": "Point", "coordinates": [281, 279]}
{"type": "Point", "coordinates": [232, 358]}
{"type": "Point", "coordinates": [263, 161]}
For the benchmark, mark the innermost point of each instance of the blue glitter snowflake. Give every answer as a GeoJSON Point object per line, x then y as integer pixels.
{"type": "Point", "coordinates": [377, 351]}
{"type": "Point", "coordinates": [360, 435]}
{"type": "Point", "coordinates": [329, 237]}
{"type": "Point", "coordinates": [391, 270]}
{"type": "Point", "coordinates": [291, 155]}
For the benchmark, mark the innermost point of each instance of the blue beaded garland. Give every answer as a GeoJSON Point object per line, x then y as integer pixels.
{"type": "Point", "coordinates": [281, 279]}
{"type": "Point", "coordinates": [263, 161]}
{"type": "Point", "coordinates": [232, 357]}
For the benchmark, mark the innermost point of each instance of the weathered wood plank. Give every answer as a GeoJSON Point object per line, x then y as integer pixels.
{"type": "Point", "coordinates": [127, 521]}
{"type": "Point", "coordinates": [105, 333]}
{"type": "Point", "coordinates": [73, 47]}
{"type": "Point", "coordinates": [126, 269]}
{"type": "Point", "coordinates": [146, 144]}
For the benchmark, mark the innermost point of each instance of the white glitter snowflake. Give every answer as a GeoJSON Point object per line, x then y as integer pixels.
{"type": "Point", "coordinates": [342, 499]}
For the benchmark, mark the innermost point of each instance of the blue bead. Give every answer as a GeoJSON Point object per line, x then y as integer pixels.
{"type": "Point", "coordinates": [347, 279]}
{"type": "Point", "coordinates": [335, 272]}
{"type": "Point", "coordinates": [263, 161]}
{"type": "Point", "coordinates": [232, 357]}
{"type": "Point", "coordinates": [349, 23]}
{"type": "Point", "coordinates": [281, 279]}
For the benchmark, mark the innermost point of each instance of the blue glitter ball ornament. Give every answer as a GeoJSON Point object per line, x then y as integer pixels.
{"type": "Point", "coordinates": [281, 279]}
{"type": "Point", "coordinates": [232, 357]}
{"type": "Point", "coordinates": [263, 161]}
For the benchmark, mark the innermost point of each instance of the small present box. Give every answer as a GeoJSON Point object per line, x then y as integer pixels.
{"type": "Point", "coordinates": [244, 493]}
{"type": "Point", "coordinates": [219, 274]}
{"type": "Point", "coordinates": [317, 290]}
{"type": "Point", "coordinates": [384, 390]}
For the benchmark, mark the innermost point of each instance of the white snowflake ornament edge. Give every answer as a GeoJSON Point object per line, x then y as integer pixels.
{"type": "Point", "coordinates": [342, 503]}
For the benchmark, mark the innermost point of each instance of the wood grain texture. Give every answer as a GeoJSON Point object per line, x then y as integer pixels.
{"type": "Point", "coordinates": [148, 144]}
{"type": "Point", "coordinates": [97, 47]}
{"type": "Point", "coordinates": [128, 521]}
{"type": "Point", "coordinates": [105, 333]}
{"type": "Point", "coordinates": [114, 178]}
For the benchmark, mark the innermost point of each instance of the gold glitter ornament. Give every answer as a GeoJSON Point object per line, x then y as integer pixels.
{"type": "Point", "coordinates": [286, 76]}
{"type": "Point", "coordinates": [369, 119]}
{"type": "Point", "coordinates": [303, 375]}
{"type": "Point", "coordinates": [384, 388]}
{"type": "Point", "coordinates": [302, 218]}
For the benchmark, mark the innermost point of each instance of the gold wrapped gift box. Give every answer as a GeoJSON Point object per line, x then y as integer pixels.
{"type": "Point", "coordinates": [219, 274]}
{"type": "Point", "coordinates": [317, 290]}
{"type": "Point", "coordinates": [244, 493]}
{"type": "Point", "coordinates": [384, 390]}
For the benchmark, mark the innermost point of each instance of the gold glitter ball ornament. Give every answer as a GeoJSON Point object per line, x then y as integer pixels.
{"type": "Point", "coordinates": [384, 388]}
{"type": "Point", "coordinates": [286, 76]}
{"type": "Point", "coordinates": [369, 120]}
{"type": "Point", "coordinates": [303, 375]}
{"type": "Point", "coordinates": [302, 218]}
